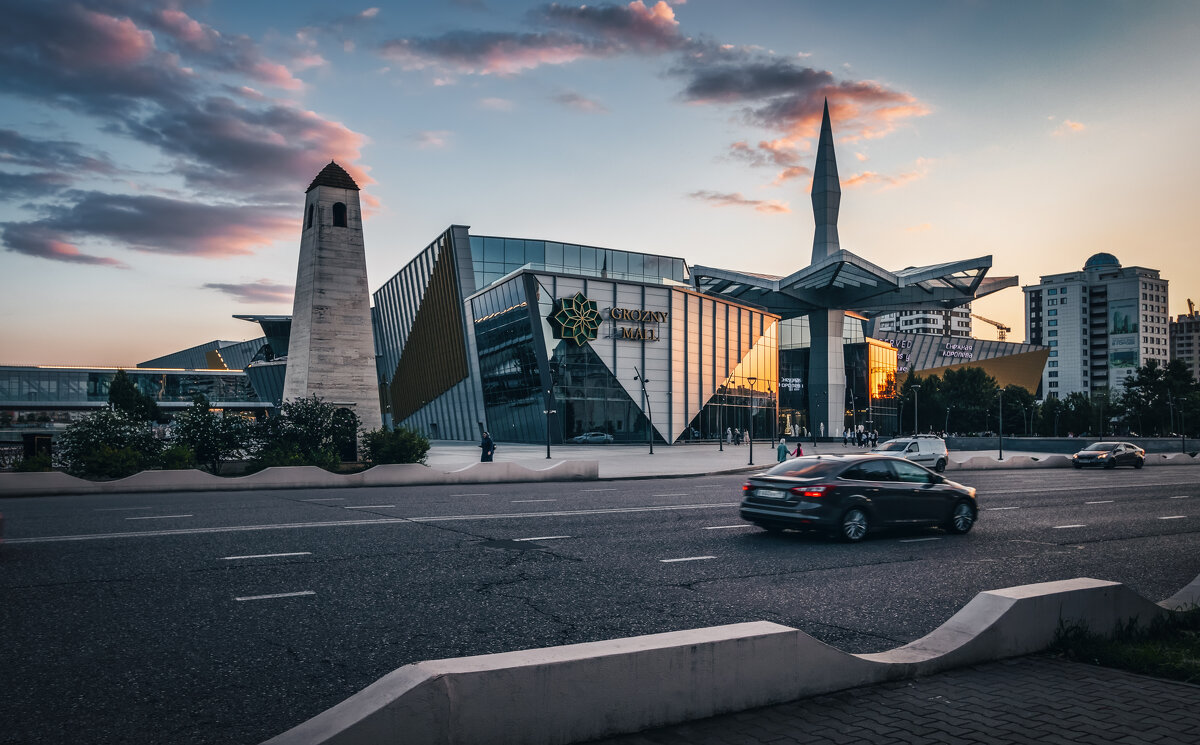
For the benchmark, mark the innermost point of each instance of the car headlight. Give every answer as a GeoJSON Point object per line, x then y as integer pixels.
{"type": "Point", "coordinates": [1102, 455]}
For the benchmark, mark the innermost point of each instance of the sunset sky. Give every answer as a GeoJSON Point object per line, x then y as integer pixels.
{"type": "Point", "coordinates": [153, 155]}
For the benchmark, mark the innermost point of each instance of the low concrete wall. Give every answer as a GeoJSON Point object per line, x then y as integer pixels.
{"type": "Point", "coordinates": [293, 477]}
{"type": "Point", "coordinates": [990, 463]}
{"type": "Point", "coordinates": [1068, 445]}
{"type": "Point", "coordinates": [570, 694]}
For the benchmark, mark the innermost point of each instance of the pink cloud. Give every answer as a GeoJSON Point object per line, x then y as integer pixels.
{"type": "Point", "coordinates": [105, 41]}
{"type": "Point", "coordinates": [735, 199]}
{"type": "Point", "coordinates": [1068, 127]}
{"type": "Point", "coordinates": [888, 181]}
{"type": "Point", "coordinates": [261, 291]}
{"type": "Point", "coordinates": [46, 243]}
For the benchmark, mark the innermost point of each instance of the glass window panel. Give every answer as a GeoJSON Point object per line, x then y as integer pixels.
{"type": "Point", "coordinates": [535, 252]}
{"type": "Point", "coordinates": [620, 262]}
{"type": "Point", "coordinates": [650, 267]}
{"type": "Point", "coordinates": [587, 258]}
{"type": "Point", "coordinates": [635, 263]}
{"type": "Point", "coordinates": [571, 256]}
{"type": "Point", "coordinates": [477, 248]}
{"type": "Point", "coordinates": [493, 249]}
{"type": "Point", "coordinates": [554, 254]}
{"type": "Point", "coordinates": [514, 251]}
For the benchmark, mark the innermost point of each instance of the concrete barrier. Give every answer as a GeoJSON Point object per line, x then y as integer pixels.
{"type": "Point", "coordinates": [990, 463]}
{"type": "Point", "coordinates": [294, 477]}
{"type": "Point", "coordinates": [575, 693]}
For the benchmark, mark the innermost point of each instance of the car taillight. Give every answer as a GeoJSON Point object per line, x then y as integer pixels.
{"type": "Point", "coordinates": [812, 492]}
{"type": "Point", "coordinates": [747, 487]}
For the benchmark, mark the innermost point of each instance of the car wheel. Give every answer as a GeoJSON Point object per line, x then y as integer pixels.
{"type": "Point", "coordinates": [1139, 463]}
{"type": "Point", "coordinates": [854, 525]}
{"type": "Point", "coordinates": [962, 519]}
{"type": "Point", "coordinates": [940, 466]}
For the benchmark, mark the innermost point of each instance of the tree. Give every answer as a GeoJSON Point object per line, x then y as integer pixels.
{"type": "Point", "coordinates": [344, 434]}
{"type": "Point", "coordinates": [401, 445]}
{"type": "Point", "coordinates": [1077, 414]}
{"type": "Point", "coordinates": [108, 444]}
{"type": "Point", "coordinates": [1050, 413]}
{"type": "Point", "coordinates": [124, 396]}
{"type": "Point", "coordinates": [301, 434]}
{"type": "Point", "coordinates": [1018, 406]}
{"type": "Point", "coordinates": [970, 392]}
{"type": "Point", "coordinates": [213, 439]}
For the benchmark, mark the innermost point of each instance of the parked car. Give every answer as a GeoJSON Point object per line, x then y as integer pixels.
{"type": "Point", "coordinates": [1110, 455]}
{"type": "Point", "coordinates": [849, 495]}
{"type": "Point", "coordinates": [593, 438]}
{"type": "Point", "coordinates": [928, 450]}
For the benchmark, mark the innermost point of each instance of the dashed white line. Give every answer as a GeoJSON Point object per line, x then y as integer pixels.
{"type": "Point", "coordinates": [1060, 527]}
{"type": "Point", "coordinates": [597, 490]}
{"type": "Point", "coordinates": [276, 595]}
{"type": "Point", "coordinates": [1100, 501]}
{"type": "Point", "coordinates": [1183, 496]}
{"type": "Point", "coordinates": [668, 495]}
{"type": "Point", "coordinates": [121, 509]}
{"type": "Point", "coordinates": [368, 506]}
{"type": "Point", "coordinates": [543, 538]}
{"type": "Point", "coordinates": [157, 517]}
{"type": "Point", "coordinates": [726, 527]}
{"type": "Point", "coordinates": [918, 540]}
{"type": "Point", "coordinates": [689, 558]}
{"type": "Point", "coordinates": [325, 499]}
{"type": "Point", "coordinates": [524, 501]}
{"type": "Point", "coordinates": [266, 556]}
{"type": "Point", "coordinates": [470, 495]}
{"type": "Point", "coordinates": [1173, 517]}
{"type": "Point", "coordinates": [998, 509]}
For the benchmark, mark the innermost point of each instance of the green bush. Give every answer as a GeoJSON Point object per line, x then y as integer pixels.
{"type": "Point", "coordinates": [305, 432]}
{"type": "Point", "coordinates": [108, 444]}
{"type": "Point", "coordinates": [401, 445]}
{"type": "Point", "coordinates": [39, 462]}
{"type": "Point", "coordinates": [288, 454]}
{"type": "Point", "coordinates": [213, 439]}
{"type": "Point", "coordinates": [178, 457]}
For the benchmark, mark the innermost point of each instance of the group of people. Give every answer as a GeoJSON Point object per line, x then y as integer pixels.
{"type": "Point", "coordinates": [860, 438]}
{"type": "Point", "coordinates": [736, 436]}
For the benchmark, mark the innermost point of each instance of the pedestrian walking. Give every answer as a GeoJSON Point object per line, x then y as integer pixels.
{"type": "Point", "coordinates": [728, 436]}
{"type": "Point", "coordinates": [799, 451]}
{"type": "Point", "coordinates": [845, 437]}
{"type": "Point", "coordinates": [781, 451]}
{"type": "Point", "coordinates": [488, 448]}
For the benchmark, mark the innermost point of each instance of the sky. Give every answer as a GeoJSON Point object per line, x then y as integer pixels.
{"type": "Point", "coordinates": [153, 155]}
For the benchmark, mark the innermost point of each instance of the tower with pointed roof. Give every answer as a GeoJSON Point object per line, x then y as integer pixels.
{"type": "Point", "coordinates": [331, 352]}
{"type": "Point", "coordinates": [826, 194]}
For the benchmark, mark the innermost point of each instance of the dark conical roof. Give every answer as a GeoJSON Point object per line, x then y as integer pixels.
{"type": "Point", "coordinates": [335, 176]}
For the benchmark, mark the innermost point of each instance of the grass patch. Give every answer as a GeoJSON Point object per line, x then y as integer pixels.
{"type": "Point", "coordinates": [1169, 647]}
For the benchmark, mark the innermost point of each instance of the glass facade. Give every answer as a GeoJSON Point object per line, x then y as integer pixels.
{"type": "Point", "coordinates": [46, 387]}
{"type": "Point", "coordinates": [493, 258]}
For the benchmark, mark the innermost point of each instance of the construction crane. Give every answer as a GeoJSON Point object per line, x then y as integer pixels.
{"type": "Point", "coordinates": [1001, 329]}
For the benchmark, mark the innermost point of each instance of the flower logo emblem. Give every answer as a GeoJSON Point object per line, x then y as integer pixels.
{"type": "Point", "coordinates": [575, 318]}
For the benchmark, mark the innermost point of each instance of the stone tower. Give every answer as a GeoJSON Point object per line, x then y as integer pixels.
{"type": "Point", "coordinates": [331, 352]}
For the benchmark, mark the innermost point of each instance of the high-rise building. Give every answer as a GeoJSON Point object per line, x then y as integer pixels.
{"type": "Point", "coordinates": [1101, 324]}
{"type": "Point", "coordinates": [1185, 339]}
{"type": "Point", "coordinates": [941, 321]}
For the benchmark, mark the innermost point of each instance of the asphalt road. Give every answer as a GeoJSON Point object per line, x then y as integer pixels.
{"type": "Point", "coordinates": [229, 617]}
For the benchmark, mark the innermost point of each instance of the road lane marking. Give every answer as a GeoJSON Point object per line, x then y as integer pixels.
{"type": "Point", "coordinates": [157, 517]}
{"type": "Point", "coordinates": [266, 556]}
{"type": "Point", "coordinates": [689, 558]}
{"type": "Point", "coordinates": [1173, 517]}
{"type": "Point", "coordinates": [997, 509]}
{"type": "Point", "coordinates": [121, 509]}
{"type": "Point", "coordinates": [523, 501]}
{"type": "Point", "coordinates": [470, 495]}
{"type": "Point", "coordinates": [1060, 527]}
{"type": "Point", "coordinates": [1183, 496]}
{"type": "Point", "coordinates": [724, 527]}
{"type": "Point", "coordinates": [918, 540]}
{"type": "Point", "coordinates": [597, 490]}
{"type": "Point", "coordinates": [668, 495]}
{"type": "Point", "coordinates": [375, 521]}
{"type": "Point", "coordinates": [543, 538]}
{"type": "Point", "coordinates": [276, 595]}
{"type": "Point", "coordinates": [1101, 501]}
{"type": "Point", "coordinates": [325, 499]}
{"type": "Point", "coordinates": [1077, 488]}
{"type": "Point", "coordinates": [368, 506]}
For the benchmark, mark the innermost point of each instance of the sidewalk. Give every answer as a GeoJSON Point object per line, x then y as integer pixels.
{"type": "Point", "coordinates": [634, 461]}
{"type": "Point", "coordinates": [1035, 699]}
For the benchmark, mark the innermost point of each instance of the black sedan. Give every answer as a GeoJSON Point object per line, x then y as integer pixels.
{"type": "Point", "coordinates": [1110, 455]}
{"type": "Point", "coordinates": [849, 495]}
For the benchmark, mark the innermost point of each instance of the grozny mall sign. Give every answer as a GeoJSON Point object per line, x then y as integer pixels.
{"type": "Point", "coordinates": [639, 316]}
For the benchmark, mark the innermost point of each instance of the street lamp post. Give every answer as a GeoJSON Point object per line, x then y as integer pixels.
{"type": "Point", "coordinates": [1001, 424]}
{"type": "Point", "coordinates": [548, 411]}
{"type": "Point", "coordinates": [752, 409]}
{"type": "Point", "coordinates": [946, 428]}
{"type": "Point", "coordinates": [720, 429]}
{"type": "Point", "coordinates": [1056, 415]}
{"type": "Point", "coordinates": [916, 389]}
{"type": "Point", "coordinates": [637, 375]}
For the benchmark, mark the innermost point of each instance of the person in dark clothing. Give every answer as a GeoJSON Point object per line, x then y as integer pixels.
{"type": "Point", "coordinates": [488, 447]}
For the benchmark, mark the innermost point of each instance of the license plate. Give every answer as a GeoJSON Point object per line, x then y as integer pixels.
{"type": "Point", "coordinates": [769, 493]}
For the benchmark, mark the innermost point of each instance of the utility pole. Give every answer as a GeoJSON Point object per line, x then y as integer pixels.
{"type": "Point", "coordinates": [548, 411]}
{"type": "Point", "coordinates": [1001, 424]}
{"type": "Point", "coordinates": [753, 408]}
{"type": "Point", "coordinates": [646, 406]}
{"type": "Point", "coordinates": [916, 389]}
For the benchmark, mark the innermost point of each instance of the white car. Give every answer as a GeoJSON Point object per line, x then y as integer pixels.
{"type": "Point", "coordinates": [928, 450]}
{"type": "Point", "coordinates": [593, 438]}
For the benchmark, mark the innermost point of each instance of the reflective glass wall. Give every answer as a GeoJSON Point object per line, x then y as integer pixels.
{"type": "Point", "coordinates": [495, 257]}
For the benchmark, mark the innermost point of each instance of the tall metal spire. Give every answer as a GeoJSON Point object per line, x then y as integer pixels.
{"type": "Point", "coordinates": [826, 194]}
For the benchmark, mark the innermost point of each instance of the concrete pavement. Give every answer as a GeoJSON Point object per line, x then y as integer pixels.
{"type": "Point", "coordinates": [1036, 699]}
{"type": "Point", "coordinates": [634, 461]}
